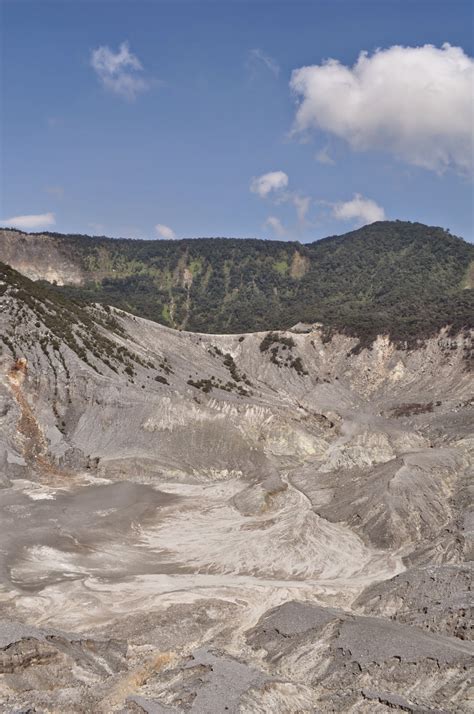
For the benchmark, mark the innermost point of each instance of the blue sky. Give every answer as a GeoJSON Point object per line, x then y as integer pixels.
{"type": "Point", "coordinates": [170, 134]}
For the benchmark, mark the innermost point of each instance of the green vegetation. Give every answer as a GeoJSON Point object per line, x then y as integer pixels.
{"type": "Point", "coordinates": [412, 409]}
{"type": "Point", "coordinates": [85, 329]}
{"type": "Point", "coordinates": [206, 386]}
{"type": "Point", "coordinates": [403, 279]}
{"type": "Point", "coordinates": [281, 351]}
{"type": "Point", "coordinates": [273, 337]}
{"type": "Point", "coordinates": [281, 266]}
{"type": "Point", "coordinates": [229, 363]}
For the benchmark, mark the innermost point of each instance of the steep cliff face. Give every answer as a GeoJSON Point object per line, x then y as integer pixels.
{"type": "Point", "coordinates": [264, 522]}
{"type": "Point", "coordinates": [40, 257]}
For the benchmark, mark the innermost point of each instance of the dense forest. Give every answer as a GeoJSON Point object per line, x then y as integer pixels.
{"type": "Point", "coordinates": [401, 278]}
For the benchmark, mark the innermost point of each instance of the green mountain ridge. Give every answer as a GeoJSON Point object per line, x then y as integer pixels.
{"type": "Point", "coordinates": [403, 279]}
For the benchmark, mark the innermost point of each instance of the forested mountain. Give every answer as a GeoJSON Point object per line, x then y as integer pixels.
{"type": "Point", "coordinates": [401, 278]}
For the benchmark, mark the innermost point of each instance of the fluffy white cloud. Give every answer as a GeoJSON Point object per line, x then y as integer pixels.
{"type": "Point", "coordinates": [31, 222]}
{"type": "Point", "coordinates": [272, 181]}
{"type": "Point", "coordinates": [360, 209]}
{"type": "Point", "coordinates": [117, 71]}
{"type": "Point", "coordinates": [165, 232]}
{"type": "Point", "coordinates": [258, 57]}
{"type": "Point", "coordinates": [276, 225]}
{"type": "Point", "coordinates": [415, 102]}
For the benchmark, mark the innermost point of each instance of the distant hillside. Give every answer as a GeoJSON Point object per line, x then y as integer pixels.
{"type": "Point", "coordinates": [401, 278]}
{"type": "Point", "coordinates": [59, 322]}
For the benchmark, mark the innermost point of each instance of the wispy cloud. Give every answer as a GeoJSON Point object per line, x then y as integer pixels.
{"type": "Point", "coordinates": [119, 72]}
{"type": "Point", "coordinates": [323, 157]}
{"type": "Point", "coordinates": [302, 204]}
{"type": "Point", "coordinates": [273, 185]}
{"type": "Point", "coordinates": [276, 226]}
{"type": "Point", "coordinates": [165, 232]}
{"type": "Point", "coordinates": [258, 58]}
{"type": "Point", "coordinates": [30, 222]}
{"type": "Point", "coordinates": [359, 209]}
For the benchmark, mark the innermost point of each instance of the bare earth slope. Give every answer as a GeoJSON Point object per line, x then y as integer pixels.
{"type": "Point", "coordinates": [233, 523]}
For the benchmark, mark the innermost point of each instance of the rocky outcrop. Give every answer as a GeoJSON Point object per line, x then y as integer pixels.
{"type": "Point", "coordinates": [437, 598]}
{"type": "Point", "coordinates": [50, 669]}
{"type": "Point", "coordinates": [40, 257]}
{"type": "Point", "coordinates": [348, 659]}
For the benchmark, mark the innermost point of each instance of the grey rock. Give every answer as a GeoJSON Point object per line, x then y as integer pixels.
{"type": "Point", "coordinates": [302, 546]}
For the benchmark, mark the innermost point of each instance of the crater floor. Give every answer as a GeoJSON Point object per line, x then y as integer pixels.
{"type": "Point", "coordinates": [240, 535]}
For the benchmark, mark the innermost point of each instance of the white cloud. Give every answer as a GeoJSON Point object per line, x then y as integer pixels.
{"type": "Point", "coordinates": [31, 222]}
{"type": "Point", "coordinates": [117, 71]}
{"type": "Point", "coordinates": [275, 182]}
{"type": "Point", "coordinates": [276, 225]}
{"type": "Point", "coordinates": [258, 57]}
{"type": "Point", "coordinates": [360, 209]}
{"type": "Point", "coordinates": [323, 157]}
{"type": "Point", "coordinates": [272, 181]}
{"type": "Point", "coordinates": [165, 232]}
{"type": "Point", "coordinates": [415, 102]}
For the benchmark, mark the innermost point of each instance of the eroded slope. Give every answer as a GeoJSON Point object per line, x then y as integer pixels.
{"type": "Point", "coordinates": [167, 495]}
